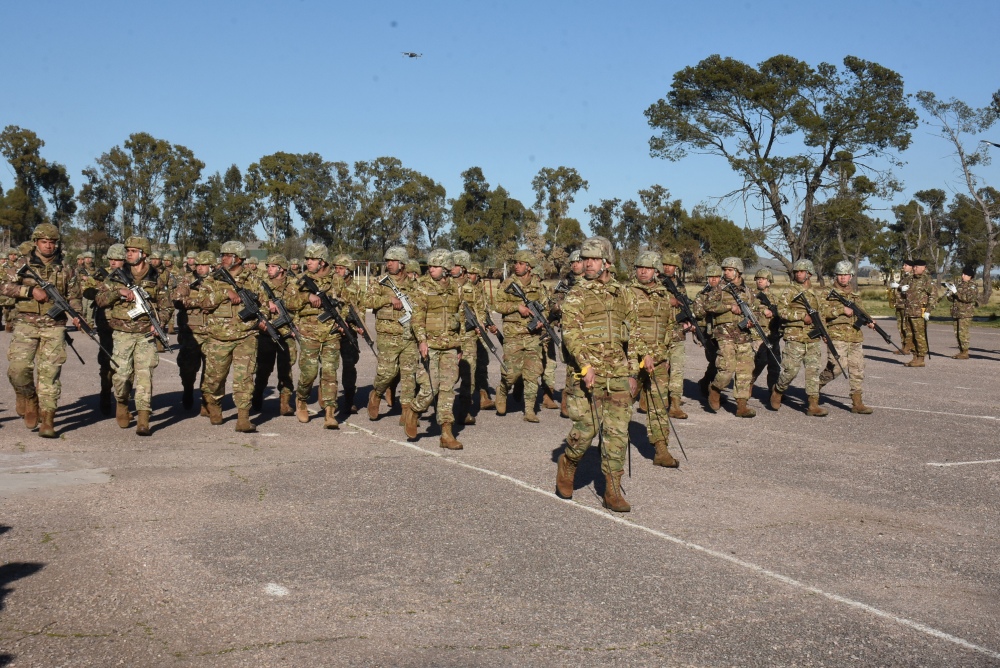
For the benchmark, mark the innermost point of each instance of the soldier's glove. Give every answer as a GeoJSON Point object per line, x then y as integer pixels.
{"type": "Point", "coordinates": [894, 285]}
{"type": "Point", "coordinates": [952, 289]}
{"type": "Point", "coordinates": [927, 316]}
{"type": "Point", "coordinates": [904, 288]}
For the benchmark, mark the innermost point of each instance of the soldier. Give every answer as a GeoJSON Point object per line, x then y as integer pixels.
{"type": "Point", "coordinates": [548, 384]}
{"type": "Point", "coordinates": [352, 294]}
{"type": "Point", "coordinates": [295, 266]}
{"type": "Point", "coordinates": [963, 298]}
{"type": "Point", "coordinates": [522, 348]}
{"type": "Point", "coordinates": [575, 272]}
{"type": "Point", "coordinates": [230, 342]}
{"type": "Point", "coordinates": [190, 262]}
{"type": "Point", "coordinates": [713, 278]}
{"type": "Point", "coordinates": [115, 258]}
{"type": "Point", "coordinates": [920, 297]}
{"type": "Point", "coordinates": [800, 350]}
{"type": "Point", "coordinates": [599, 322]}
{"type": "Point", "coordinates": [467, 409]}
{"type": "Point", "coordinates": [134, 353]}
{"type": "Point", "coordinates": [846, 339]}
{"type": "Point", "coordinates": [412, 270]}
{"type": "Point", "coordinates": [671, 263]}
{"type": "Point", "coordinates": [735, 357]}
{"type": "Point", "coordinates": [656, 325]}
{"type": "Point", "coordinates": [39, 341]}
{"type": "Point", "coordinates": [269, 352]}
{"type": "Point", "coordinates": [155, 260]}
{"type": "Point", "coordinates": [482, 364]}
{"type": "Point", "coordinates": [191, 323]}
{"type": "Point", "coordinates": [397, 348]}
{"type": "Point", "coordinates": [319, 353]}
{"type": "Point", "coordinates": [898, 300]}
{"type": "Point", "coordinates": [438, 328]}
{"type": "Point", "coordinates": [771, 324]}
{"type": "Point", "coordinates": [85, 269]}
{"type": "Point", "coordinates": [7, 303]}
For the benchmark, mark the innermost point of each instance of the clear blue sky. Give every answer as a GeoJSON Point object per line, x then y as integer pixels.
{"type": "Point", "coordinates": [509, 86]}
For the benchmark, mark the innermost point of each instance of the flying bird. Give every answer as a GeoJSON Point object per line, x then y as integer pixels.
{"type": "Point", "coordinates": [991, 143]}
{"type": "Point", "coordinates": [410, 54]}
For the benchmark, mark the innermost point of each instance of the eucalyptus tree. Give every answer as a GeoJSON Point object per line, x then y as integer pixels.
{"type": "Point", "coordinates": [35, 181]}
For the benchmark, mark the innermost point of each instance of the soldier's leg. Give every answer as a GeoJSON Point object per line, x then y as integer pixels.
{"type": "Point", "coordinates": [584, 428]}
{"type": "Point", "coordinates": [794, 353]}
{"type": "Point", "coordinates": [49, 362]}
{"type": "Point", "coordinates": [963, 334]}
{"type": "Point", "coordinates": [616, 412]}
{"type": "Point", "coordinates": [349, 356]}
{"type": "Point", "coordinates": [760, 360]}
{"type": "Point", "coordinates": [919, 328]}
{"type": "Point", "coordinates": [218, 359]}
{"type": "Point", "coordinates": [444, 363]}
{"type": "Point", "coordinates": [677, 357]}
{"type": "Point", "coordinates": [267, 355]}
{"type": "Point", "coordinates": [854, 357]}
{"type": "Point", "coordinates": [725, 363]}
{"type": "Point", "coordinates": [21, 355]}
{"type": "Point", "coordinates": [531, 371]}
{"type": "Point", "coordinates": [308, 367]}
{"type": "Point", "coordinates": [657, 401]}
{"type": "Point", "coordinates": [743, 370]}
{"type": "Point", "coordinates": [145, 359]}
{"type": "Point", "coordinates": [812, 360]}
{"type": "Point", "coordinates": [329, 361]}
{"type": "Point", "coordinates": [124, 363]}
{"type": "Point", "coordinates": [465, 368]}
{"type": "Point", "coordinates": [285, 359]}
{"type": "Point", "coordinates": [482, 372]}
{"type": "Point", "coordinates": [244, 356]}
{"type": "Point", "coordinates": [774, 362]}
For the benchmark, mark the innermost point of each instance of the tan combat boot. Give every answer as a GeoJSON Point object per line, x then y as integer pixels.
{"type": "Point", "coordinates": [330, 419]}
{"type": "Point", "coordinates": [918, 360]}
{"type": "Point", "coordinates": [374, 401]}
{"type": "Point", "coordinates": [714, 399]}
{"type": "Point", "coordinates": [20, 403]}
{"type": "Point", "coordinates": [301, 410]}
{"type": "Point", "coordinates": [285, 405]}
{"type": "Point", "coordinates": [122, 415]}
{"type": "Point", "coordinates": [31, 412]}
{"type": "Point", "coordinates": [775, 400]}
{"type": "Point", "coordinates": [530, 415]}
{"type": "Point", "coordinates": [744, 411]}
{"type": "Point", "coordinates": [411, 423]}
{"type": "Point", "coordinates": [388, 396]}
{"type": "Point", "coordinates": [46, 426]}
{"type": "Point", "coordinates": [142, 424]}
{"type": "Point", "coordinates": [663, 456]}
{"type": "Point", "coordinates": [613, 498]}
{"type": "Point", "coordinates": [858, 406]}
{"type": "Point", "coordinates": [675, 411]}
{"type": "Point", "coordinates": [485, 403]}
{"type": "Point", "coordinates": [215, 414]}
{"type": "Point", "coordinates": [962, 355]}
{"type": "Point", "coordinates": [565, 475]}
{"type": "Point", "coordinates": [447, 440]}
{"type": "Point", "coordinates": [562, 404]}
{"type": "Point", "coordinates": [470, 419]}
{"type": "Point", "coordinates": [548, 401]}
{"type": "Point", "coordinates": [500, 401]}
{"type": "Point", "coordinates": [814, 409]}
{"type": "Point", "coordinates": [243, 423]}
{"type": "Point", "coordinates": [643, 405]}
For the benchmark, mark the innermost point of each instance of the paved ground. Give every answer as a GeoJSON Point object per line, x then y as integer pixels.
{"type": "Point", "coordinates": [784, 540]}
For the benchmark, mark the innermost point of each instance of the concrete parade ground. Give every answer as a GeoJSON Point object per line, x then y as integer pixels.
{"type": "Point", "coordinates": [784, 540]}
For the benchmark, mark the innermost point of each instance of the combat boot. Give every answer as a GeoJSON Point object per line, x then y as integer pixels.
{"type": "Point", "coordinates": [548, 401]}
{"type": "Point", "coordinates": [775, 399]}
{"type": "Point", "coordinates": [613, 497]}
{"type": "Point", "coordinates": [714, 399]}
{"type": "Point", "coordinates": [285, 405]}
{"type": "Point", "coordinates": [962, 355]}
{"type": "Point", "coordinates": [31, 412]}
{"type": "Point", "coordinates": [204, 408]}
{"type": "Point", "coordinates": [530, 415]}
{"type": "Point", "coordinates": [257, 400]}
{"type": "Point", "coordinates": [214, 414]}
{"type": "Point", "coordinates": [349, 406]}
{"type": "Point", "coordinates": [825, 376]}
{"type": "Point", "coordinates": [744, 411]}
{"type": "Point", "coordinates": [122, 415]}
{"type": "Point", "coordinates": [388, 396]}
{"type": "Point", "coordinates": [814, 409]}
{"type": "Point", "coordinates": [500, 401]}
{"type": "Point", "coordinates": [243, 423]}
{"type": "Point", "coordinates": [20, 403]}
{"type": "Point", "coordinates": [485, 403]}
{"type": "Point", "coordinates": [565, 475]}
{"type": "Point", "coordinates": [142, 424]}
{"type": "Point", "coordinates": [330, 419]}
{"type": "Point", "coordinates": [46, 426]}
{"type": "Point", "coordinates": [663, 456]}
{"type": "Point", "coordinates": [858, 406]}
{"type": "Point", "coordinates": [106, 396]}
{"type": "Point", "coordinates": [301, 410]}
{"type": "Point", "coordinates": [470, 419]}
{"type": "Point", "coordinates": [448, 441]}
{"type": "Point", "coordinates": [374, 401]}
{"type": "Point", "coordinates": [411, 422]}
{"type": "Point", "coordinates": [643, 405]}
{"type": "Point", "coordinates": [675, 411]}
{"type": "Point", "coordinates": [918, 360]}
{"type": "Point", "coordinates": [562, 404]}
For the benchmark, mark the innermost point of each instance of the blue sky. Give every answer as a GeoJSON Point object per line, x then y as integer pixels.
{"type": "Point", "coordinates": [511, 87]}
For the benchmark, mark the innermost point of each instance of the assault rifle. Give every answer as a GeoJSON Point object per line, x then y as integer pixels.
{"type": "Point", "coordinates": [750, 320]}
{"type": "Point", "coordinates": [471, 322]}
{"type": "Point", "coordinates": [862, 319]}
{"type": "Point", "coordinates": [143, 306]}
{"type": "Point", "coordinates": [251, 307]}
{"type": "Point", "coordinates": [490, 323]}
{"type": "Point", "coordinates": [538, 320]}
{"type": "Point", "coordinates": [686, 315]}
{"type": "Point", "coordinates": [329, 307]}
{"type": "Point", "coordinates": [407, 308]}
{"type": "Point", "coordinates": [354, 318]}
{"type": "Point", "coordinates": [284, 317]}
{"type": "Point", "coordinates": [818, 330]}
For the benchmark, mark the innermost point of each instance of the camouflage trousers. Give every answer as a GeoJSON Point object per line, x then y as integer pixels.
{"type": "Point", "coordinates": [905, 329]}
{"type": "Point", "coordinates": [712, 356]}
{"type": "Point", "coordinates": [269, 355]}
{"type": "Point", "coordinates": [657, 400]}
{"type": "Point", "coordinates": [852, 355]}
{"type": "Point", "coordinates": [676, 356]}
{"type": "Point", "coordinates": [134, 358]}
{"type": "Point", "coordinates": [190, 357]}
{"type": "Point", "coordinates": [808, 354]}
{"type": "Point", "coordinates": [319, 358]}
{"type": "Point", "coordinates": [614, 410]}
{"type": "Point", "coordinates": [44, 348]}
{"type": "Point", "coordinates": [241, 355]}
{"type": "Point", "coordinates": [918, 327]}
{"type": "Point", "coordinates": [523, 357]}
{"type": "Point", "coordinates": [735, 365]}
{"type": "Point", "coordinates": [444, 374]}
{"type": "Point", "coordinates": [549, 365]}
{"type": "Point", "coordinates": [397, 354]}
{"type": "Point", "coordinates": [962, 333]}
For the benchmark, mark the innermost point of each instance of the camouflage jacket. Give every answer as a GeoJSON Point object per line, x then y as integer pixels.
{"type": "Point", "coordinates": [284, 288]}
{"type": "Point", "coordinates": [921, 296]}
{"type": "Point", "coordinates": [698, 308]}
{"type": "Point", "coordinates": [222, 316]}
{"type": "Point", "coordinates": [656, 317]}
{"type": "Point", "coordinates": [190, 316]}
{"type": "Point", "coordinates": [473, 295]}
{"type": "Point", "coordinates": [839, 325]}
{"type": "Point", "coordinates": [793, 313]}
{"type": "Point", "coordinates": [770, 325]}
{"type": "Point", "coordinates": [26, 309]}
{"type": "Point", "coordinates": [108, 297]}
{"type": "Point", "coordinates": [719, 305]}
{"type": "Point", "coordinates": [379, 299]}
{"type": "Point", "coordinates": [437, 313]}
{"type": "Point", "coordinates": [898, 295]}
{"type": "Point", "coordinates": [601, 328]}
{"type": "Point", "coordinates": [307, 316]}
{"type": "Point", "coordinates": [679, 332]}
{"type": "Point", "coordinates": [515, 324]}
{"type": "Point", "coordinates": [963, 302]}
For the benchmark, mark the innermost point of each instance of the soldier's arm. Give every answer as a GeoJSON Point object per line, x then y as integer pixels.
{"type": "Point", "coordinates": [418, 319]}
{"type": "Point", "coordinates": [506, 304]}
{"type": "Point", "coordinates": [107, 294]}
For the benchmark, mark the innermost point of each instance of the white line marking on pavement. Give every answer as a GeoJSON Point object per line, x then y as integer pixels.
{"type": "Point", "coordinates": [163, 358]}
{"type": "Point", "coordinates": [275, 589]}
{"type": "Point", "coordinates": [919, 383]}
{"type": "Point", "coordinates": [980, 461]}
{"type": "Point", "coordinates": [917, 410]}
{"type": "Point", "coordinates": [962, 388]}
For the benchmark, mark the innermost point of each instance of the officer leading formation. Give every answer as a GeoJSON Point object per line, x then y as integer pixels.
{"type": "Point", "coordinates": [621, 341]}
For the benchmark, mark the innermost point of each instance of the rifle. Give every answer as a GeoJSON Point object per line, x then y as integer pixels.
{"type": "Point", "coordinates": [749, 319]}
{"type": "Point", "coordinates": [251, 307]}
{"type": "Point", "coordinates": [862, 319]}
{"type": "Point", "coordinates": [329, 306]}
{"type": "Point", "coordinates": [354, 318]}
{"type": "Point", "coordinates": [60, 306]}
{"type": "Point", "coordinates": [686, 315]}
{"type": "Point", "coordinates": [143, 306]}
{"type": "Point", "coordinates": [471, 322]}
{"type": "Point", "coordinates": [490, 323]}
{"type": "Point", "coordinates": [663, 407]}
{"type": "Point", "coordinates": [818, 330]}
{"type": "Point", "coordinates": [407, 308]}
{"type": "Point", "coordinates": [284, 317]}
{"type": "Point", "coordinates": [538, 320]}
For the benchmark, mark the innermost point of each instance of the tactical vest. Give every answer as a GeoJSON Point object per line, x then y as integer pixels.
{"type": "Point", "coordinates": [655, 315]}
{"type": "Point", "coordinates": [52, 273]}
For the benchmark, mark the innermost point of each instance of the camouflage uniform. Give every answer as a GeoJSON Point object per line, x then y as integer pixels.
{"type": "Point", "coordinates": [191, 322]}
{"type": "Point", "coordinates": [921, 296]}
{"type": "Point", "coordinates": [481, 374]}
{"type": "Point", "coordinates": [705, 321]}
{"type": "Point", "coordinates": [963, 307]}
{"type": "Point", "coordinates": [846, 339]}
{"type": "Point", "coordinates": [800, 350]}
{"type": "Point", "coordinates": [353, 295]}
{"type": "Point", "coordinates": [10, 261]}
{"type": "Point", "coordinates": [676, 352]}
{"type": "Point", "coordinates": [902, 322]}
{"type": "Point", "coordinates": [522, 348]}
{"type": "Point", "coordinates": [555, 309]}
{"type": "Point", "coordinates": [474, 296]}
{"type": "Point", "coordinates": [270, 353]}
{"type": "Point", "coordinates": [772, 327]}
{"type": "Point", "coordinates": [736, 354]}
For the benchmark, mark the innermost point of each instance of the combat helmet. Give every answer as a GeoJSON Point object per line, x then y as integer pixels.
{"type": "Point", "coordinates": [317, 252]}
{"type": "Point", "coordinates": [45, 231]}
{"type": "Point", "coordinates": [671, 258]}
{"type": "Point", "coordinates": [713, 270]}
{"type": "Point", "coordinates": [115, 252]}
{"type": "Point", "coordinates": [804, 265]}
{"type": "Point", "coordinates": [205, 257]}
{"type": "Point", "coordinates": [461, 258]}
{"type": "Point", "coordinates": [526, 257]}
{"type": "Point", "coordinates": [344, 260]}
{"type": "Point", "coordinates": [843, 267]}
{"type": "Point", "coordinates": [649, 259]}
{"type": "Point", "coordinates": [764, 272]}
{"type": "Point", "coordinates": [142, 243]}
{"type": "Point", "coordinates": [278, 259]}
{"type": "Point", "coordinates": [575, 256]}
{"type": "Point", "coordinates": [237, 248]}
{"type": "Point", "coordinates": [597, 247]}
{"type": "Point", "coordinates": [397, 253]}
{"type": "Point", "coordinates": [440, 257]}
{"type": "Point", "coordinates": [733, 263]}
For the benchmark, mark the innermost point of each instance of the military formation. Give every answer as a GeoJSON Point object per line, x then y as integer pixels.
{"type": "Point", "coordinates": [621, 341]}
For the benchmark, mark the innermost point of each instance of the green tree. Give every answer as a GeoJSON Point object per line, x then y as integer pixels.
{"type": "Point", "coordinates": [555, 190]}
{"type": "Point", "coordinates": [35, 180]}
{"type": "Point", "coordinates": [274, 182]}
{"type": "Point", "coordinates": [751, 116]}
